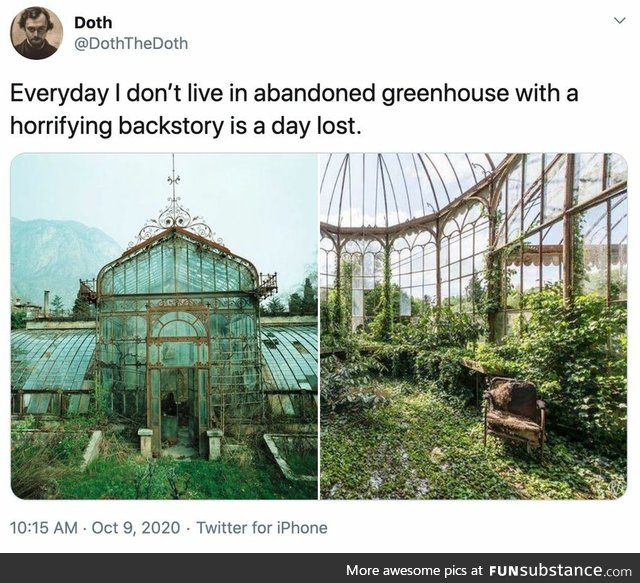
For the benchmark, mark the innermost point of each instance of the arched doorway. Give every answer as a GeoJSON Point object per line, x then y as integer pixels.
{"type": "Point", "coordinates": [178, 385]}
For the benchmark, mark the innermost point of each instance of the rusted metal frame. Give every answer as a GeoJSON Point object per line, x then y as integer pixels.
{"type": "Point", "coordinates": [415, 167]}
{"type": "Point", "coordinates": [52, 391]}
{"type": "Point", "coordinates": [433, 190]}
{"type": "Point", "coordinates": [522, 234]}
{"type": "Point", "coordinates": [384, 168]}
{"type": "Point", "coordinates": [608, 203]}
{"type": "Point", "coordinates": [159, 309]}
{"type": "Point", "coordinates": [221, 250]}
{"type": "Point", "coordinates": [567, 253]}
{"type": "Point", "coordinates": [181, 295]}
{"type": "Point", "coordinates": [444, 186]}
{"type": "Point", "coordinates": [497, 177]}
{"type": "Point", "coordinates": [438, 266]}
{"type": "Point", "coordinates": [611, 192]}
{"type": "Point", "coordinates": [420, 223]}
{"type": "Point", "coordinates": [335, 184]}
{"type": "Point", "coordinates": [406, 187]}
{"type": "Point", "coordinates": [454, 173]}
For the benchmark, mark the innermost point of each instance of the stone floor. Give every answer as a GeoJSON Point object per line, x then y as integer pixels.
{"type": "Point", "coordinates": [183, 449]}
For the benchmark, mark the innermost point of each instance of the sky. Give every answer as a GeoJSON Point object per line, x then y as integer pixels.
{"type": "Point", "coordinates": [263, 206]}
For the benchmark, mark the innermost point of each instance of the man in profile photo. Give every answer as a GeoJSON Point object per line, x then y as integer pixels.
{"type": "Point", "coordinates": [36, 23]}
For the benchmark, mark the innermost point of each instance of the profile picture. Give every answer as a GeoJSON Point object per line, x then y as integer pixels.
{"type": "Point", "coordinates": [36, 33]}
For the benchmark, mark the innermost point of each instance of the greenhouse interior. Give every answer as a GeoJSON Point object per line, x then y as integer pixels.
{"type": "Point", "coordinates": [473, 325]}
{"type": "Point", "coordinates": [167, 351]}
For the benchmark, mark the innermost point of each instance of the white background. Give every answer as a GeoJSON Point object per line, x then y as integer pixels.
{"type": "Point", "coordinates": [419, 43]}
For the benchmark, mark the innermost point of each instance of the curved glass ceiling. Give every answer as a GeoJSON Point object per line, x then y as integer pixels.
{"type": "Point", "coordinates": [383, 190]}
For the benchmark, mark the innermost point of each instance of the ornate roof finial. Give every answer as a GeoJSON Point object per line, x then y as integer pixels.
{"type": "Point", "coordinates": [175, 215]}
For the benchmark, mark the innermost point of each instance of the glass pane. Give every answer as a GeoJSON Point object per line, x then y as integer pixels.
{"type": "Point", "coordinates": [554, 187]}
{"type": "Point", "coordinates": [619, 248]}
{"type": "Point", "coordinates": [590, 250]}
{"type": "Point", "coordinates": [587, 179]}
{"type": "Point", "coordinates": [617, 169]}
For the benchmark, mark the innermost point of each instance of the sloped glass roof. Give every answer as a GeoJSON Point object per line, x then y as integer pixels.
{"type": "Point", "coordinates": [290, 353]}
{"type": "Point", "coordinates": [383, 190]}
{"type": "Point", "coordinates": [52, 359]}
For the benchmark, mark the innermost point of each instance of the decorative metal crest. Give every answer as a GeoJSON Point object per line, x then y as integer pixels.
{"type": "Point", "coordinates": [175, 215]}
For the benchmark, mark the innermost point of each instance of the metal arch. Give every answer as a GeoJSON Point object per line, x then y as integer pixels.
{"type": "Point", "coordinates": [433, 190]}
{"type": "Point", "coordinates": [415, 166]}
{"type": "Point", "coordinates": [453, 169]}
{"type": "Point", "coordinates": [384, 168]}
{"type": "Point", "coordinates": [444, 186]}
{"type": "Point", "coordinates": [335, 185]}
{"type": "Point", "coordinates": [406, 187]}
{"type": "Point", "coordinates": [473, 172]}
{"type": "Point", "coordinates": [346, 163]}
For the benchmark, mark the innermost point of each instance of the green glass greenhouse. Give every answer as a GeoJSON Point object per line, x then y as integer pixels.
{"type": "Point", "coordinates": [177, 339]}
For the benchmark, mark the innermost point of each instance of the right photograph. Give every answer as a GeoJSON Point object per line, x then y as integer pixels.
{"type": "Point", "coordinates": [473, 320]}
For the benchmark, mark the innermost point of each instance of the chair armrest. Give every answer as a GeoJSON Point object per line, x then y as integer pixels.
{"type": "Point", "coordinates": [541, 404]}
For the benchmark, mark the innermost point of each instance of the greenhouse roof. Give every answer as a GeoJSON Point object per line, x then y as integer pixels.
{"type": "Point", "coordinates": [52, 359]}
{"type": "Point", "coordinates": [383, 190]}
{"type": "Point", "coordinates": [290, 354]}
{"type": "Point", "coordinates": [63, 359]}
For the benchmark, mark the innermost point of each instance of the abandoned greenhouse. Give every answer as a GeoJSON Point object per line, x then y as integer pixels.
{"type": "Point", "coordinates": [440, 275]}
{"type": "Point", "coordinates": [177, 350]}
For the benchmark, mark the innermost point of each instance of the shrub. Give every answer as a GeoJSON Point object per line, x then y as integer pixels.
{"type": "Point", "coordinates": [576, 355]}
{"type": "Point", "coordinates": [443, 371]}
{"type": "Point", "coordinates": [347, 386]}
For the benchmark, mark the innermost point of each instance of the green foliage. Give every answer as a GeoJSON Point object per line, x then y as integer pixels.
{"type": "Point", "coordinates": [423, 447]}
{"type": "Point", "coordinates": [335, 311]}
{"type": "Point", "coordinates": [57, 306]}
{"type": "Point", "coordinates": [83, 309]}
{"type": "Point", "coordinates": [37, 462]}
{"type": "Point", "coordinates": [576, 355]}
{"type": "Point", "coordinates": [443, 371]}
{"type": "Point", "coordinates": [273, 307]}
{"type": "Point", "coordinates": [346, 386]}
{"type": "Point", "coordinates": [397, 358]}
{"type": "Point", "coordinates": [18, 319]}
{"type": "Point", "coordinates": [382, 325]}
{"type": "Point", "coordinates": [305, 303]}
{"type": "Point", "coordinates": [441, 327]}
{"type": "Point", "coordinates": [121, 473]}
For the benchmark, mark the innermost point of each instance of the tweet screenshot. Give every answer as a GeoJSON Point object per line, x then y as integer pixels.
{"type": "Point", "coordinates": [340, 288]}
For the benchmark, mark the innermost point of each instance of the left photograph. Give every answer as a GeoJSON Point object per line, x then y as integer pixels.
{"type": "Point", "coordinates": [164, 327]}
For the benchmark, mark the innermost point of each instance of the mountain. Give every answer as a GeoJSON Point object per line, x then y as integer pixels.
{"type": "Point", "coordinates": [54, 255]}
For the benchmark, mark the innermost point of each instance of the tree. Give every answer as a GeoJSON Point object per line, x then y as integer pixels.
{"type": "Point", "coordinates": [274, 307]}
{"type": "Point", "coordinates": [18, 319]}
{"type": "Point", "coordinates": [296, 307]}
{"type": "Point", "coordinates": [83, 309]}
{"type": "Point", "coordinates": [57, 306]}
{"type": "Point", "coordinates": [309, 298]}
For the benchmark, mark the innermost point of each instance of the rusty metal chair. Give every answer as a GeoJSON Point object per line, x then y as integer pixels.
{"type": "Point", "coordinates": [513, 411]}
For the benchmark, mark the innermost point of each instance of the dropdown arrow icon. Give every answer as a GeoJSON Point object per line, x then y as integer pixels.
{"type": "Point", "coordinates": [620, 20]}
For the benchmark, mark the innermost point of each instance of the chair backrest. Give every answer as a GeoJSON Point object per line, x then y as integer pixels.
{"type": "Point", "coordinates": [517, 397]}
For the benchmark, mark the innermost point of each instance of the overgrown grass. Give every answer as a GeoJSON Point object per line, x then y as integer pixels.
{"type": "Point", "coordinates": [421, 447]}
{"type": "Point", "coordinates": [121, 473]}
{"type": "Point", "coordinates": [37, 462]}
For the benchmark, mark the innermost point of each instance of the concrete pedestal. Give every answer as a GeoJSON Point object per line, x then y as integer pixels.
{"type": "Point", "coordinates": [215, 443]}
{"type": "Point", "coordinates": [145, 441]}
